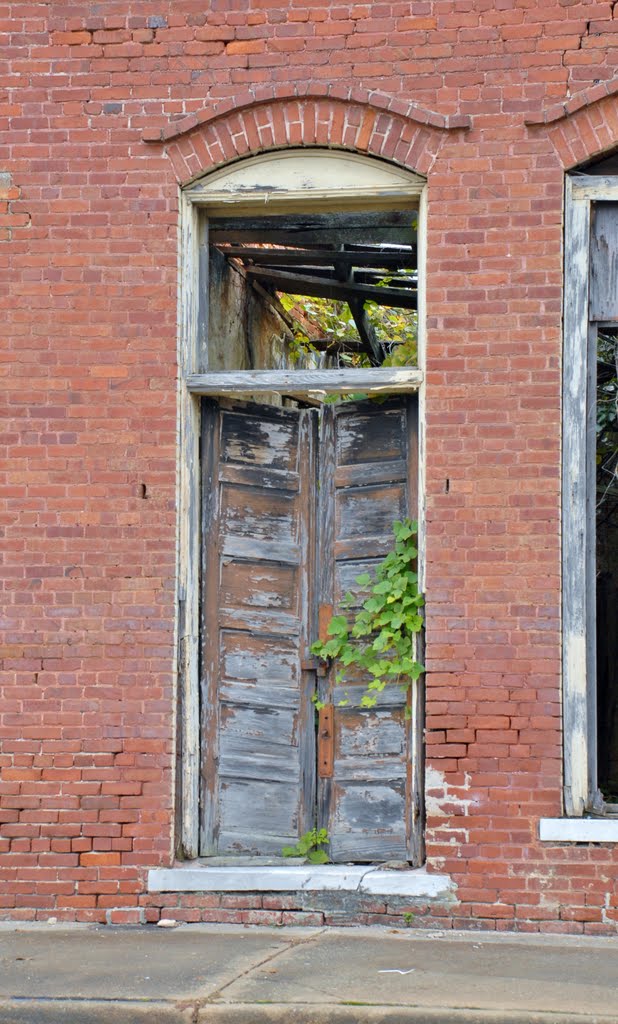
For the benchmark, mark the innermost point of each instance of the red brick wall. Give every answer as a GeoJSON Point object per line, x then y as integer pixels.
{"type": "Point", "coordinates": [88, 267]}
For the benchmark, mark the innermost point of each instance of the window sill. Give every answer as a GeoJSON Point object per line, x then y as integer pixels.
{"type": "Point", "coordinates": [578, 830]}
{"type": "Point", "coordinates": [195, 876]}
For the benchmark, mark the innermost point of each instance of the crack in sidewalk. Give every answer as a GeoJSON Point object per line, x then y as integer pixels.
{"type": "Point", "coordinates": [214, 996]}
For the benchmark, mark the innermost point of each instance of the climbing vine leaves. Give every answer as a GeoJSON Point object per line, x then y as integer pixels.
{"type": "Point", "coordinates": [381, 638]}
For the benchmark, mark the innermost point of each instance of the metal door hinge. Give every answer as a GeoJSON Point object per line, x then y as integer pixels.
{"type": "Point", "coordinates": [325, 614]}
{"type": "Point", "coordinates": [326, 742]}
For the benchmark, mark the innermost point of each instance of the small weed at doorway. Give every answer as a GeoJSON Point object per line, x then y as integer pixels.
{"type": "Point", "coordinates": [309, 846]}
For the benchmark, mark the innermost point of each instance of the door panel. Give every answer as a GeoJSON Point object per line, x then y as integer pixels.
{"type": "Point", "coordinates": [259, 746]}
{"type": "Point", "coordinates": [289, 524]}
{"type": "Point", "coordinates": [370, 804]}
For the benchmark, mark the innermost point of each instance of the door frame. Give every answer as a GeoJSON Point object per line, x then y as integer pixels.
{"type": "Point", "coordinates": [194, 381]}
{"type": "Point", "coordinates": [580, 326]}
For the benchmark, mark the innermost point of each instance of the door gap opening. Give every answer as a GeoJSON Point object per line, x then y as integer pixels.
{"type": "Point", "coordinates": [606, 520]}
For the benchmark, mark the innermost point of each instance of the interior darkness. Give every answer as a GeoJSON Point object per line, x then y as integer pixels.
{"type": "Point", "coordinates": [607, 563]}
{"type": "Point", "coordinates": [605, 167]}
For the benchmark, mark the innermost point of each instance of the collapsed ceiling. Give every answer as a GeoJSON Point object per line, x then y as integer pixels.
{"type": "Point", "coordinates": [351, 257]}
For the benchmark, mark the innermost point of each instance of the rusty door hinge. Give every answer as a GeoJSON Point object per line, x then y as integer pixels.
{"type": "Point", "coordinates": [325, 614]}
{"type": "Point", "coordinates": [317, 665]}
{"type": "Point", "coordinates": [326, 742]}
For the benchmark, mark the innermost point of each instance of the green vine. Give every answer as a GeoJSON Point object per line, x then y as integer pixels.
{"type": "Point", "coordinates": [332, 321]}
{"type": "Point", "coordinates": [381, 639]}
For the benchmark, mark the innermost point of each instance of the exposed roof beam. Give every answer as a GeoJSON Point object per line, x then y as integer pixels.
{"type": "Point", "coordinates": [391, 258]}
{"type": "Point", "coordinates": [255, 233]}
{"type": "Point", "coordinates": [296, 284]}
{"type": "Point", "coordinates": [366, 332]}
{"type": "Point", "coordinates": [372, 277]}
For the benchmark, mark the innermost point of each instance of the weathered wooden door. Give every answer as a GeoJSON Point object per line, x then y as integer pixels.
{"type": "Point", "coordinates": [370, 799]}
{"type": "Point", "coordinates": [296, 504]}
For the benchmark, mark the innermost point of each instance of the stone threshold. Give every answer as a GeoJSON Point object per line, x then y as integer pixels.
{"type": "Point", "coordinates": [363, 879]}
{"type": "Point", "coordinates": [578, 830]}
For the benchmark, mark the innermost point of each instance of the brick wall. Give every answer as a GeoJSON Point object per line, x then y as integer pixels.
{"type": "Point", "coordinates": [104, 109]}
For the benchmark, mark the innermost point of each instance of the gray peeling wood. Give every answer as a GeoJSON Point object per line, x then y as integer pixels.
{"type": "Point", "coordinates": [279, 546]}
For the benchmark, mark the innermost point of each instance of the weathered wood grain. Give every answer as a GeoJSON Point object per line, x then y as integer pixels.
{"type": "Point", "coordinates": [372, 473]}
{"type": "Point", "coordinates": [415, 764]}
{"type": "Point", "coordinates": [368, 807]}
{"type": "Point", "coordinates": [270, 442]}
{"type": "Point", "coordinates": [307, 592]}
{"type": "Point", "coordinates": [259, 620]}
{"type": "Point", "coordinates": [259, 523]}
{"type": "Point", "coordinates": [589, 187]}
{"type": "Point", "coordinates": [260, 743]}
{"type": "Point", "coordinates": [367, 820]}
{"type": "Point", "coordinates": [361, 227]}
{"type": "Point", "coordinates": [574, 503]}
{"type": "Point", "coordinates": [359, 257]}
{"type": "Point", "coordinates": [255, 693]}
{"type": "Point", "coordinates": [603, 302]}
{"type": "Point", "coordinates": [209, 706]}
{"type": "Point", "coordinates": [191, 356]}
{"type": "Point", "coordinates": [325, 577]}
{"type": "Point", "coordinates": [279, 479]}
{"type": "Point", "coordinates": [305, 284]}
{"type": "Point", "coordinates": [282, 547]}
{"type": "Point", "coordinates": [368, 437]}
{"type": "Point", "coordinates": [255, 586]}
{"type": "Point", "coordinates": [368, 512]}
{"type": "Point", "coordinates": [299, 382]}
{"type": "Point", "coordinates": [268, 664]}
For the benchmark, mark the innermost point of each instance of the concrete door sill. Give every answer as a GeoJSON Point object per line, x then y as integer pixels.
{"type": "Point", "coordinates": [364, 879]}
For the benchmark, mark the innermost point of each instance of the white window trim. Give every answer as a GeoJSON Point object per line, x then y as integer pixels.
{"type": "Point", "coordinates": [192, 372]}
{"type": "Point", "coordinates": [578, 531]}
{"type": "Point", "coordinates": [577, 680]}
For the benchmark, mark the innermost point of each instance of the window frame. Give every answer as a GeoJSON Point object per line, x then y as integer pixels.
{"type": "Point", "coordinates": [581, 793]}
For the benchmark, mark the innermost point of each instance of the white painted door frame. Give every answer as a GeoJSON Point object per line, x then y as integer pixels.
{"type": "Point", "coordinates": [579, 496]}
{"type": "Point", "coordinates": [379, 185]}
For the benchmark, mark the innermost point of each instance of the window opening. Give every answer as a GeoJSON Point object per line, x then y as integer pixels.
{"type": "Point", "coordinates": [313, 291]}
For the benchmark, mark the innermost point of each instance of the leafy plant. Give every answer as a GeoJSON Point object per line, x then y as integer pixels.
{"type": "Point", "coordinates": [309, 846]}
{"type": "Point", "coordinates": [397, 328]}
{"type": "Point", "coordinates": [331, 321]}
{"type": "Point", "coordinates": [381, 639]}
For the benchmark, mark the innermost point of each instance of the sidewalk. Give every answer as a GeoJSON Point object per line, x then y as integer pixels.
{"type": "Point", "coordinates": [221, 974]}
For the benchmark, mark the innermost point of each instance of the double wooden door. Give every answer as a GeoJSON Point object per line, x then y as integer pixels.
{"type": "Point", "coordinates": [296, 504]}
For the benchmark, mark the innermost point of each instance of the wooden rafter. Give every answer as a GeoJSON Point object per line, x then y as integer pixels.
{"type": "Point", "coordinates": [391, 258]}
{"type": "Point", "coordinates": [329, 289]}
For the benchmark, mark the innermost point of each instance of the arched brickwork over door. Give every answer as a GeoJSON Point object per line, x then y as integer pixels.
{"type": "Point", "coordinates": [277, 118]}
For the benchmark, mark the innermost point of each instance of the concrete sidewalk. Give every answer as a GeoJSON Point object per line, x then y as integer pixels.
{"type": "Point", "coordinates": [221, 974]}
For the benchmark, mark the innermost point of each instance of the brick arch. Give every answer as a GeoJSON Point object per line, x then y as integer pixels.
{"type": "Point", "coordinates": [361, 122]}
{"type": "Point", "coordinates": [585, 127]}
